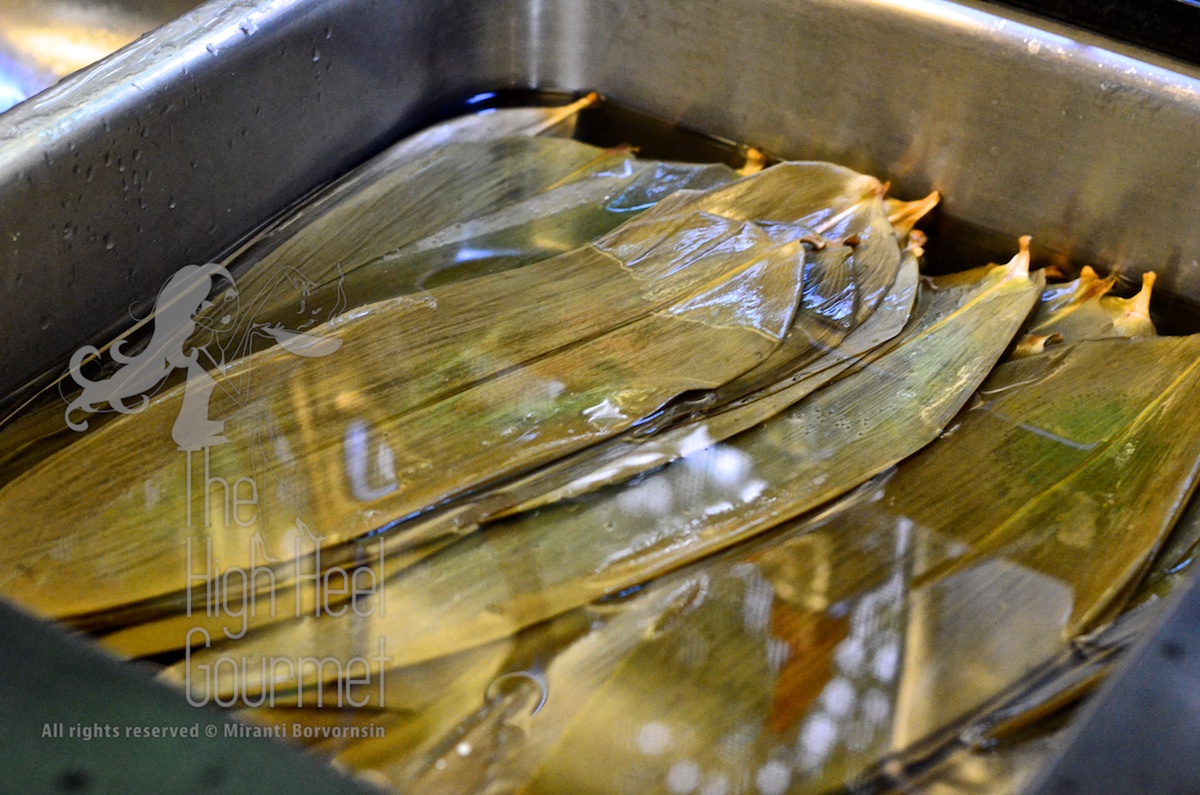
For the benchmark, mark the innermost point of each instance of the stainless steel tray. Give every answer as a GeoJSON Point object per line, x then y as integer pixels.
{"type": "Point", "coordinates": [42, 41]}
{"type": "Point", "coordinates": [177, 146]}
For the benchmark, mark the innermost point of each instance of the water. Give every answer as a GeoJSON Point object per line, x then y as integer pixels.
{"type": "Point", "coordinates": [652, 636]}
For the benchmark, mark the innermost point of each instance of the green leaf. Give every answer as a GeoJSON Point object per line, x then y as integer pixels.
{"type": "Point", "coordinates": [535, 566]}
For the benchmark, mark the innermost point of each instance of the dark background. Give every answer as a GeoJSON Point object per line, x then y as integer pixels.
{"type": "Point", "coordinates": [1171, 27]}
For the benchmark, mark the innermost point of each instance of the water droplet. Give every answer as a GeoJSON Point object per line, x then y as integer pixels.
{"type": "Point", "coordinates": [773, 778]}
{"type": "Point", "coordinates": [683, 777]}
{"type": "Point", "coordinates": [653, 738]}
{"type": "Point", "coordinates": [108, 242]}
{"type": "Point", "coordinates": [316, 55]}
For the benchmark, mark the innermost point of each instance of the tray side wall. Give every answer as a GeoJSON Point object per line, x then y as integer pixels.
{"type": "Point", "coordinates": [172, 149]}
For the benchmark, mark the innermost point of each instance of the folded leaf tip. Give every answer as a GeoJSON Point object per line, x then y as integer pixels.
{"type": "Point", "coordinates": [1033, 344]}
{"type": "Point", "coordinates": [916, 243]}
{"type": "Point", "coordinates": [1135, 320]}
{"type": "Point", "coordinates": [567, 111]}
{"type": "Point", "coordinates": [1018, 266]}
{"type": "Point", "coordinates": [903, 215]}
{"type": "Point", "coordinates": [756, 161]}
{"type": "Point", "coordinates": [1141, 301]}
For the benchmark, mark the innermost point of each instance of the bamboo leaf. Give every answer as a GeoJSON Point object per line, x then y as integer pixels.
{"type": "Point", "coordinates": [499, 123]}
{"type": "Point", "coordinates": [456, 376]}
{"type": "Point", "coordinates": [619, 460]}
{"type": "Point", "coordinates": [878, 625]}
{"type": "Point", "coordinates": [517, 228]}
{"type": "Point", "coordinates": [1083, 310]}
{"type": "Point", "coordinates": [536, 566]}
{"type": "Point", "coordinates": [1131, 316]}
{"type": "Point", "coordinates": [289, 287]}
{"type": "Point", "coordinates": [632, 455]}
{"type": "Point", "coordinates": [548, 221]}
{"type": "Point", "coordinates": [626, 456]}
{"type": "Point", "coordinates": [1105, 470]}
{"type": "Point", "coordinates": [502, 730]}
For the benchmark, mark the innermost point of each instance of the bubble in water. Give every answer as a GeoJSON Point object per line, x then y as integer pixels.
{"type": "Point", "coordinates": [653, 738]}
{"type": "Point", "coordinates": [683, 777]}
{"type": "Point", "coordinates": [773, 778]}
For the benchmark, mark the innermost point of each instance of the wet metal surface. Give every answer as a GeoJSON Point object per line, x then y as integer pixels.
{"type": "Point", "coordinates": [72, 717]}
{"type": "Point", "coordinates": [43, 41]}
{"type": "Point", "coordinates": [1139, 734]}
{"type": "Point", "coordinates": [157, 156]}
{"type": "Point", "coordinates": [179, 145]}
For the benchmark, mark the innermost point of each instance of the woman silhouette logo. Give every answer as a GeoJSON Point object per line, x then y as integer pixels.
{"type": "Point", "coordinates": [176, 310]}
